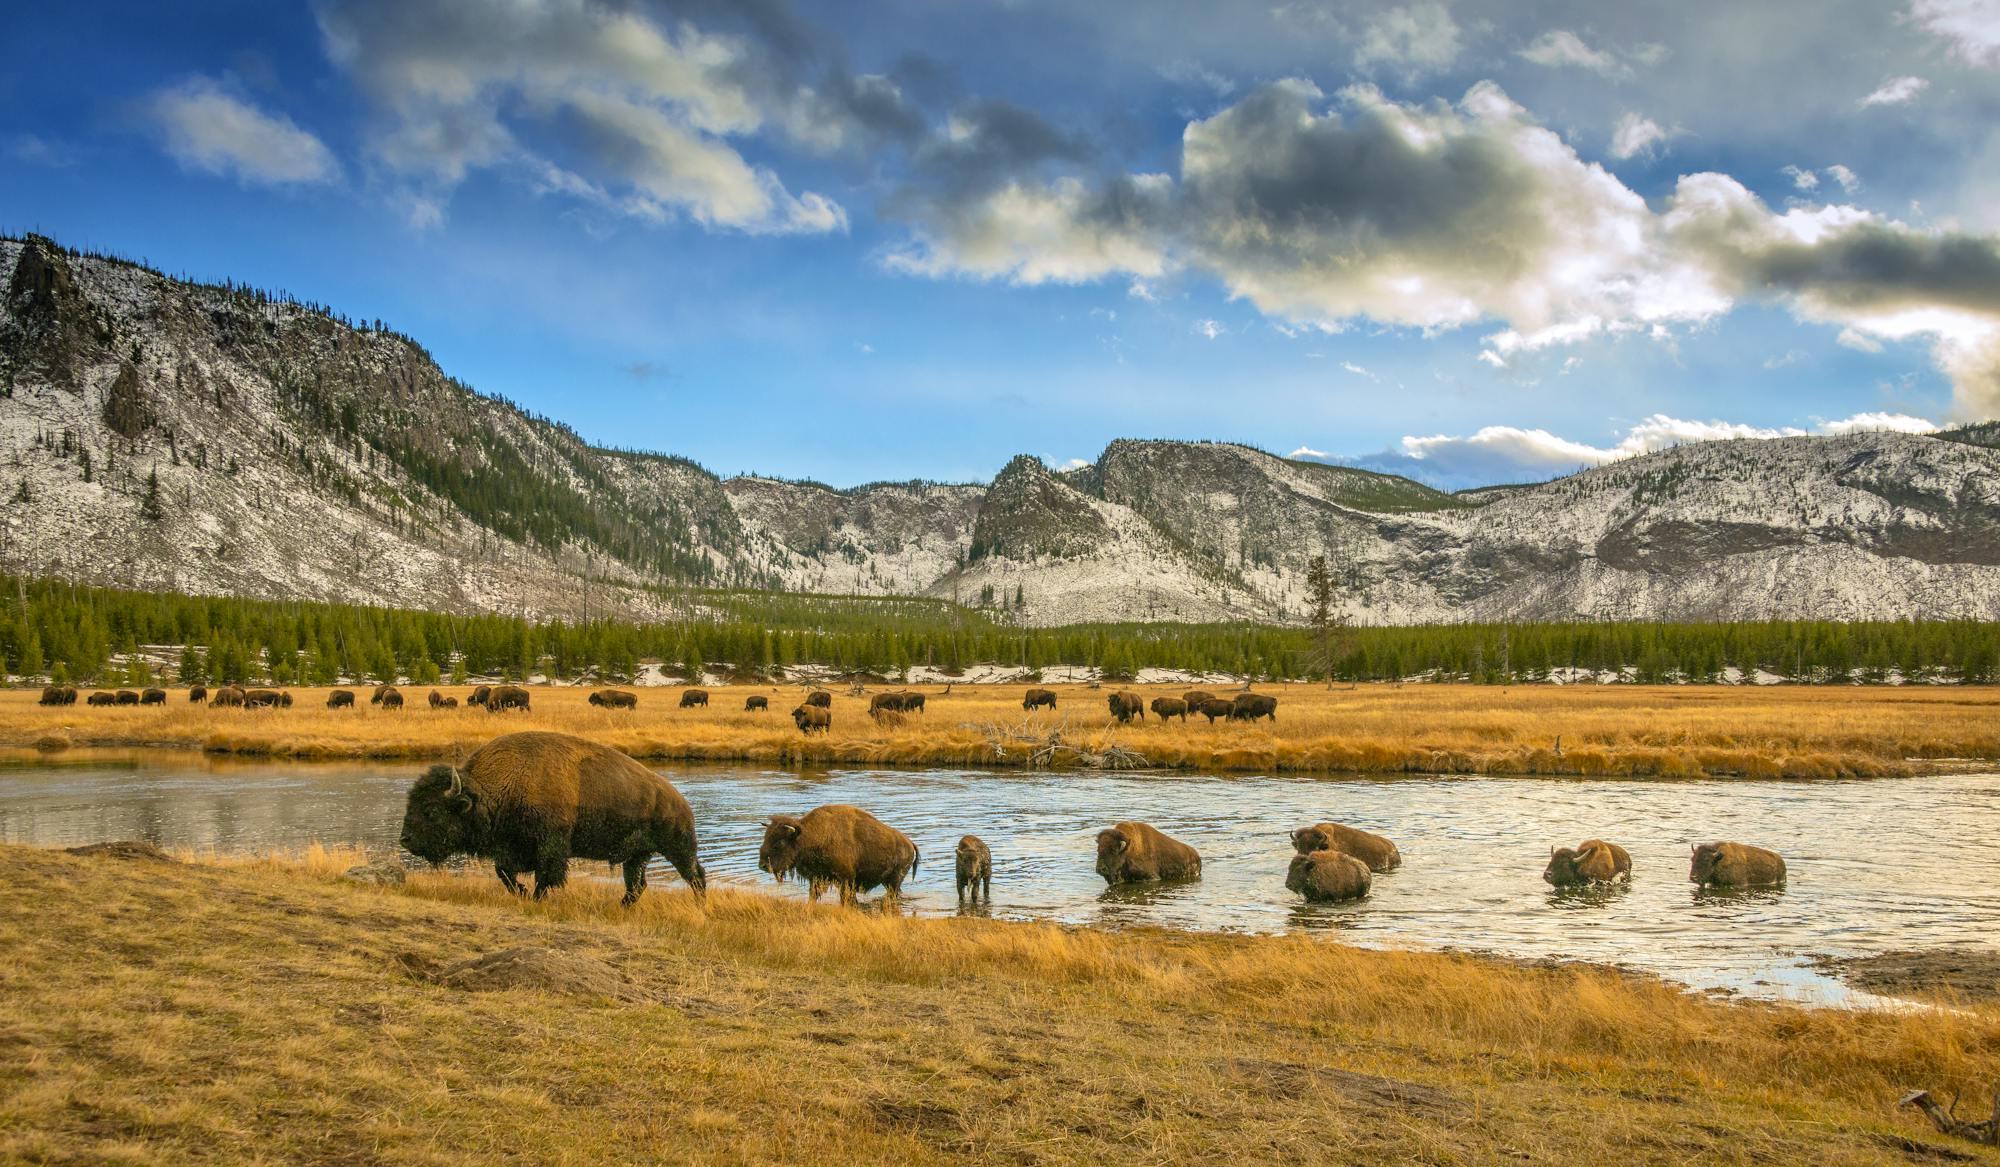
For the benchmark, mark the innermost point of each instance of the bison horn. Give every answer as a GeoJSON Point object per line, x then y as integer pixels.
{"type": "Point", "coordinates": [457, 782]}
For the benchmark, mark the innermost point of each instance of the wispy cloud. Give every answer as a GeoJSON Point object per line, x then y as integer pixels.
{"type": "Point", "coordinates": [1896, 91]}
{"type": "Point", "coordinates": [205, 127]}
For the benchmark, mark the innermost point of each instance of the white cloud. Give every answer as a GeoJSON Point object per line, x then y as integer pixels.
{"type": "Point", "coordinates": [1896, 91]}
{"type": "Point", "coordinates": [1972, 27]}
{"type": "Point", "coordinates": [1847, 179]}
{"type": "Point", "coordinates": [205, 127]}
{"type": "Point", "coordinates": [1790, 357]}
{"type": "Point", "coordinates": [1802, 178]}
{"type": "Point", "coordinates": [1416, 38]}
{"type": "Point", "coordinates": [1209, 328]}
{"type": "Point", "coordinates": [1358, 371]}
{"type": "Point", "coordinates": [1309, 452]}
{"type": "Point", "coordinates": [1855, 340]}
{"type": "Point", "coordinates": [1637, 135]}
{"type": "Point", "coordinates": [1561, 48]}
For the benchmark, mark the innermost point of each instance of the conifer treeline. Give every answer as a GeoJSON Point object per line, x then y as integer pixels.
{"type": "Point", "coordinates": [75, 632]}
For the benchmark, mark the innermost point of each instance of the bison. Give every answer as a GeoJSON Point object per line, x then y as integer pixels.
{"type": "Point", "coordinates": [198, 694]}
{"type": "Point", "coordinates": [694, 697]}
{"type": "Point", "coordinates": [531, 801]}
{"type": "Point", "coordinates": [127, 697]}
{"type": "Point", "coordinates": [340, 699]}
{"type": "Point", "coordinates": [436, 699]}
{"type": "Point", "coordinates": [844, 846]}
{"type": "Point", "coordinates": [974, 868]}
{"type": "Point", "coordinates": [756, 703]}
{"type": "Point", "coordinates": [58, 695]}
{"type": "Point", "coordinates": [820, 698]}
{"type": "Point", "coordinates": [1251, 706]}
{"type": "Point", "coordinates": [615, 699]}
{"type": "Point", "coordinates": [153, 697]}
{"type": "Point", "coordinates": [893, 702]}
{"type": "Point", "coordinates": [479, 696]}
{"type": "Point", "coordinates": [392, 698]}
{"type": "Point", "coordinates": [101, 699]}
{"type": "Point", "coordinates": [229, 696]}
{"type": "Point", "coordinates": [1328, 876]}
{"type": "Point", "coordinates": [913, 702]}
{"type": "Point", "coordinates": [1166, 707]}
{"type": "Point", "coordinates": [1735, 865]}
{"type": "Point", "coordinates": [501, 698]}
{"type": "Point", "coordinates": [1137, 853]}
{"type": "Point", "coordinates": [1595, 862]}
{"type": "Point", "coordinates": [1038, 698]}
{"type": "Point", "coordinates": [1125, 705]}
{"type": "Point", "coordinates": [812, 719]}
{"type": "Point", "coordinates": [380, 692]}
{"type": "Point", "coordinates": [261, 698]}
{"type": "Point", "coordinates": [448, 703]}
{"type": "Point", "coordinates": [1374, 850]}
{"type": "Point", "coordinates": [1216, 707]}
{"type": "Point", "coordinates": [1196, 698]}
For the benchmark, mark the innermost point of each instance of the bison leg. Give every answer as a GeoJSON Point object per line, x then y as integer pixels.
{"type": "Point", "coordinates": [815, 888]}
{"type": "Point", "coordinates": [508, 879]}
{"type": "Point", "coordinates": [682, 855]}
{"type": "Point", "coordinates": [849, 894]}
{"type": "Point", "coordinates": [551, 866]}
{"type": "Point", "coordinates": [635, 879]}
{"type": "Point", "coordinates": [986, 886]}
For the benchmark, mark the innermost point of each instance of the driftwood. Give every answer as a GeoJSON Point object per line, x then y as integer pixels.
{"type": "Point", "coordinates": [1945, 1118]}
{"type": "Point", "coordinates": [1043, 747]}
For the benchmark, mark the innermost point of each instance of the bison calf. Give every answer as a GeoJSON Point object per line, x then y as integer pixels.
{"type": "Point", "coordinates": [1374, 850]}
{"type": "Point", "coordinates": [974, 868]}
{"type": "Point", "coordinates": [1735, 865]}
{"type": "Point", "coordinates": [1596, 861]}
{"type": "Point", "coordinates": [1132, 852]}
{"type": "Point", "coordinates": [1328, 877]}
{"type": "Point", "coordinates": [843, 846]}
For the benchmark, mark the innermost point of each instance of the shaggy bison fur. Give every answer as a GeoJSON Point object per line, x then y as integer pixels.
{"type": "Point", "coordinates": [1372, 849]}
{"type": "Point", "coordinates": [1136, 853]}
{"type": "Point", "coordinates": [974, 868]}
{"type": "Point", "coordinates": [532, 801]}
{"type": "Point", "coordinates": [1735, 865]}
{"type": "Point", "coordinates": [1596, 861]}
{"type": "Point", "coordinates": [843, 846]}
{"type": "Point", "coordinates": [1328, 877]}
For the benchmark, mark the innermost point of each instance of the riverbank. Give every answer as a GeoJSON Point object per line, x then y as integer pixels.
{"type": "Point", "coordinates": [1591, 731]}
{"type": "Point", "coordinates": [268, 1012]}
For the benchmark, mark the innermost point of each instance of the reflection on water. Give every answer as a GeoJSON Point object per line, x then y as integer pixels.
{"type": "Point", "coordinates": [1869, 873]}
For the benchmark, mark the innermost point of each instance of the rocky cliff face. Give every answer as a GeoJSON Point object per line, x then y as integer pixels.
{"type": "Point", "coordinates": [161, 434]}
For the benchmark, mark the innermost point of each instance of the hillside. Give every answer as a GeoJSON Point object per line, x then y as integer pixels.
{"type": "Point", "coordinates": [216, 439]}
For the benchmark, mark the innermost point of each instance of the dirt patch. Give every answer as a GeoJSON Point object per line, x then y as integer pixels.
{"type": "Point", "coordinates": [121, 849]}
{"type": "Point", "coordinates": [542, 969]}
{"type": "Point", "coordinates": [1291, 1079]}
{"type": "Point", "coordinates": [1971, 974]}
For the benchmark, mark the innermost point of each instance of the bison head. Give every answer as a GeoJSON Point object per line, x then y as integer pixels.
{"type": "Point", "coordinates": [1306, 840]}
{"type": "Point", "coordinates": [1701, 869]}
{"type": "Point", "coordinates": [1299, 875]}
{"type": "Point", "coordinates": [1561, 870]}
{"type": "Point", "coordinates": [780, 851]}
{"type": "Point", "coordinates": [437, 823]}
{"type": "Point", "coordinates": [1111, 847]}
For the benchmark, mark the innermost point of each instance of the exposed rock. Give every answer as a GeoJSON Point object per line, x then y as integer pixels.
{"type": "Point", "coordinates": [121, 849]}
{"type": "Point", "coordinates": [376, 874]}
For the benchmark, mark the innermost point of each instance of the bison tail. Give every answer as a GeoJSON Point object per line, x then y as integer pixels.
{"type": "Point", "coordinates": [916, 853]}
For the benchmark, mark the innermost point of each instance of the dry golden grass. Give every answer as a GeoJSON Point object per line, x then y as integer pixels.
{"type": "Point", "coordinates": [1668, 731]}
{"type": "Point", "coordinates": [260, 1011]}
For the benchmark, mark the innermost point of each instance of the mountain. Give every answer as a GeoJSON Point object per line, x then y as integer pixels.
{"type": "Point", "coordinates": [160, 433]}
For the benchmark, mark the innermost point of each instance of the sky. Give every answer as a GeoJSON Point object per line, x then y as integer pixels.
{"type": "Point", "coordinates": [852, 242]}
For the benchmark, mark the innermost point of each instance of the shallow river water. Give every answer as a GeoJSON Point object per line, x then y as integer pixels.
{"type": "Point", "coordinates": [1875, 865]}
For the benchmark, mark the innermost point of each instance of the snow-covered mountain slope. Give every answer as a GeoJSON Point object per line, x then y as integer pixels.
{"type": "Point", "coordinates": [163, 434]}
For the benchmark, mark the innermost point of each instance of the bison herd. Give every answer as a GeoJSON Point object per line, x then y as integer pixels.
{"type": "Point", "coordinates": [530, 802]}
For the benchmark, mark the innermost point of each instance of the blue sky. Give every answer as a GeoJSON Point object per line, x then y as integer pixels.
{"type": "Point", "coordinates": [907, 239]}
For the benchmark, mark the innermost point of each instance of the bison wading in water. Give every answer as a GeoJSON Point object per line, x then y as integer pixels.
{"type": "Point", "coordinates": [1325, 877]}
{"type": "Point", "coordinates": [340, 699]}
{"type": "Point", "coordinates": [812, 719]}
{"type": "Point", "coordinates": [532, 801]}
{"type": "Point", "coordinates": [1038, 698]}
{"type": "Point", "coordinates": [1735, 865]}
{"type": "Point", "coordinates": [1126, 705]}
{"type": "Point", "coordinates": [1137, 853]}
{"type": "Point", "coordinates": [1372, 849]}
{"type": "Point", "coordinates": [1596, 861]}
{"type": "Point", "coordinates": [973, 868]}
{"type": "Point", "coordinates": [844, 846]}
{"type": "Point", "coordinates": [615, 699]}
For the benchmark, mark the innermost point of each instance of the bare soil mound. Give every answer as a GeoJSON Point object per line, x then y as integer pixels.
{"type": "Point", "coordinates": [121, 849]}
{"type": "Point", "coordinates": [1971, 974]}
{"type": "Point", "coordinates": [541, 969]}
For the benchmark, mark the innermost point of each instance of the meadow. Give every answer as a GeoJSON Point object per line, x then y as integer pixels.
{"type": "Point", "coordinates": [262, 1010]}
{"type": "Point", "coordinates": [1588, 730]}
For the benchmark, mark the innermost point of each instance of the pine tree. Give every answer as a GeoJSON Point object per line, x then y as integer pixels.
{"type": "Point", "coordinates": [149, 506]}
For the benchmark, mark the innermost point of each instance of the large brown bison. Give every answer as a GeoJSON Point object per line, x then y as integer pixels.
{"type": "Point", "coordinates": [532, 801]}
{"type": "Point", "coordinates": [812, 719]}
{"type": "Point", "coordinates": [340, 699]}
{"type": "Point", "coordinates": [756, 703]}
{"type": "Point", "coordinates": [58, 695]}
{"type": "Point", "coordinates": [1136, 853]}
{"type": "Point", "coordinates": [198, 694]}
{"type": "Point", "coordinates": [229, 696]}
{"type": "Point", "coordinates": [479, 696]}
{"type": "Point", "coordinates": [1126, 705]}
{"type": "Point", "coordinates": [694, 697]}
{"type": "Point", "coordinates": [501, 698]}
{"type": "Point", "coordinates": [101, 699]}
{"type": "Point", "coordinates": [261, 698]}
{"type": "Point", "coordinates": [844, 846]}
{"type": "Point", "coordinates": [392, 698]}
{"type": "Point", "coordinates": [153, 697]}
{"type": "Point", "coordinates": [1216, 707]}
{"type": "Point", "coordinates": [820, 698]}
{"type": "Point", "coordinates": [1328, 876]}
{"type": "Point", "coordinates": [1596, 861]}
{"type": "Point", "coordinates": [1196, 697]}
{"type": "Point", "coordinates": [1038, 699]}
{"type": "Point", "coordinates": [375, 698]}
{"type": "Point", "coordinates": [1735, 865]}
{"type": "Point", "coordinates": [1169, 707]}
{"type": "Point", "coordinates": [1251, 706]}
{"type": "Point", "coordinates": [615, 699]}
{"type": "Point", "coordinates": [973, 868]}
{"type": "Point", "coordinates": [1374, 850]}
{"type": "Point", "coordinates": [127, 697]}
{"type": "Point", "coordinates": [896, 702]}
